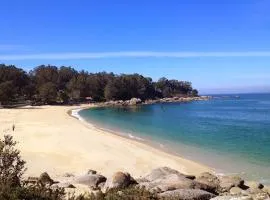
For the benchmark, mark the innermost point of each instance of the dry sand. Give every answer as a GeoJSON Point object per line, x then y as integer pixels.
{"type": "Point", "coordinates": [53, 141]}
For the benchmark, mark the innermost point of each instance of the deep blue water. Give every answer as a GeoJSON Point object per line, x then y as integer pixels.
{"type": "Point", "coordinates": [228, 133]}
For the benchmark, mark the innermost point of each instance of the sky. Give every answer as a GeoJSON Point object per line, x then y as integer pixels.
{"type": "Point", "coordinates": [220, 46]}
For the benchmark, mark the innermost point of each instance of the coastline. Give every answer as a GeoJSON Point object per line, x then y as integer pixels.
{"type": "Point", "coordinates": [204, 158]}
{"type": "Point", "coordinates": [53, 141]}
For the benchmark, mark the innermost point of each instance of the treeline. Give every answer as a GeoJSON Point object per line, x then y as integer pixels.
{"type": "Point", "coordinates": [49, 84]}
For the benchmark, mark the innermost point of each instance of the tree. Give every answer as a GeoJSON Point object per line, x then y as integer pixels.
{"type": "Point", "coordinates": [50, 84]}
{"type": "Point", "coordinates": [6, 92]}
{"type": "Point", "coordinates": [48, 92]}
{"type": "Point", "coordinates": [194, 93]}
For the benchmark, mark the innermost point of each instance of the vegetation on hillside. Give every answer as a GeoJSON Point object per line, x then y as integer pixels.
{"type": "Point", "coordinates": [49, 84]}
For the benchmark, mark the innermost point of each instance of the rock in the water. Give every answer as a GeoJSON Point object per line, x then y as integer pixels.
{"type": "Point", "coordinates": [44, 178]}
{"type": "Point", "coordinates": [164, 171]}
{"type": "Point", "coordinates": [91, 180]}
{"type": "Point", "coordinates": [119, 180]}
{"type": "Point", "coordinates": [235, 191]}
{"type": "Point", "coordinates": [187, 194]}
{"type": "Point", "coordinates": [227, 182]}
{"type": "Point", "coordinates": [210, 180]}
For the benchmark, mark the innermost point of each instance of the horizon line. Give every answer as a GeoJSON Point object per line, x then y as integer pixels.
{"type": "Point", "coordinates": [130, 54]}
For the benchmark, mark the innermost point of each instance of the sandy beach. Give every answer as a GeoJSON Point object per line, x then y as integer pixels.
{"type": "Point", "coordinates": [53, 141]}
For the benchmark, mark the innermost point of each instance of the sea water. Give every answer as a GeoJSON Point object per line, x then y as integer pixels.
{"type": "Point", "coordinates": [228, 133]}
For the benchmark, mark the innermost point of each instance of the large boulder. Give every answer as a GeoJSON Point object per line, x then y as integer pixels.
{"type": "Point", "coordinates": [164, 171]}
{"type": "Point", "coordinates": [91, 180]}
{"type": "Point", "coordinates": [187, 194]}
{"type": "Point", "coordinates": [227, 182]}
{"type": "Point", "coordinates": [135, 101]}
{"type": "Point", "coordinates": [236, 191]}
{"type": "Point", "coordinates": [168, 182]}
{"type": "Point", "coordinates": [210, 180]}
{"type": "Point", "coordinates": [173, 182]}
{"type": "Point", "coordinates": [119, 180]}
{"type": "Point", "coordinates": [44, 179]}
{"type": "Point", "coordinates": [232, 198]}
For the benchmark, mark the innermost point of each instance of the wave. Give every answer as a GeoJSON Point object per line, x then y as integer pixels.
{"type": "Point", "coordinates": [75, 113]}
{"type": "Point", "coordinates": [134, 137]}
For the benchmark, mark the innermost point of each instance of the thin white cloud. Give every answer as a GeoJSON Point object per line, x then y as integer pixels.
{"type": "Point", "coordinates": [8, 47]}
{"type": "Point", "coordinates": [129, 54]}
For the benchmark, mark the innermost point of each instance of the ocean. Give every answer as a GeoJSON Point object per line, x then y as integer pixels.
{"type": "Point", "coordinates": [228, 133]}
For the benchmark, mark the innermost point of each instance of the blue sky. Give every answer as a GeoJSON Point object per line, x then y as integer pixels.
{"type": "Point", "coordinates": [221, 46]}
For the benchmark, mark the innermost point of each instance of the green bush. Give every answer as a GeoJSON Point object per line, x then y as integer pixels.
{"type": "Point", "coordinates": [12, 168]}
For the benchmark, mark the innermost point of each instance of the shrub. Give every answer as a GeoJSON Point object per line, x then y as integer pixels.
{"type": "Point", "coordinates": [12, 168]}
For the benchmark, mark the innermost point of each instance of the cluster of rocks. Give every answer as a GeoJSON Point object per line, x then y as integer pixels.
{"type": "Point", "coordinates": [131, 102]}
{"type": "Point", "coordinates": [178, 99]}
{"type": "Point", "coordinates": [169, 184]}
{"type": "Point", "coordinates": [137, 101]}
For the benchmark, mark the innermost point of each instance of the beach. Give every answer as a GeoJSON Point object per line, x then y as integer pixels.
{"type": "Point", "coordinates": [53, 141]}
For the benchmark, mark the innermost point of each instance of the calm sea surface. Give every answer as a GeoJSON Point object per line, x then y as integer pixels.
{"type": "Point", "coordinates": [227, 133]}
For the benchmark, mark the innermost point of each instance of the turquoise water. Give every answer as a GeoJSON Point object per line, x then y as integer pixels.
{"type": "Point", "coordinates": [227, 133]}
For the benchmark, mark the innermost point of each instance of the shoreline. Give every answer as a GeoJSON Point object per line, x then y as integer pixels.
{"type": "Point", "coordinates": [121, 135]}
{"type": "Point", "coordinates": [74, 114]}
{"type": "Point", "coordinates": [51, 140]}
{"type": "Point", "coordinates": [210, 164]}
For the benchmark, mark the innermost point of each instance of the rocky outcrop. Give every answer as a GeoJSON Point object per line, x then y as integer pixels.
{"type": "Point", "coordinates": [164, 171]}
{"type": "Point", "coordinates": [134, 101]}
{"type": "Point", "coordinates": [210, 180]}
{"type": "Point", "coordinates": [119, 180]}
{"type": "Point", "coordinates": [227, 182]}
{"type": "Point", "coordinates": [91, 180]}
{"type": "Point", "coordinates": [232, 198]}
{"type": "Point", "coordinates": [187, 194]}
{"type": "Point", "coordinates": [165, 182]}
{"type": "Point", "coordinates": [44, 179]}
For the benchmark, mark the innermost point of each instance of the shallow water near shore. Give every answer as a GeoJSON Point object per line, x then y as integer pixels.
{"type": "Point", "coordinates": [229, 133]}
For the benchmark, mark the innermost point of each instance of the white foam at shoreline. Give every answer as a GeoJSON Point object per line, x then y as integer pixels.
{"type": "Point", "coordinates": [134, 137]}
{"type": "Point", "coordinates": [75, 113]}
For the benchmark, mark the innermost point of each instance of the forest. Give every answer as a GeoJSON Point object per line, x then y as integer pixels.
{"type": "Point", "coordinates": [47, 84]}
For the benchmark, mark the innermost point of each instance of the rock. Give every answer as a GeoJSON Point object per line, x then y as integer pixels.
{"type": "Point", "coordinates": [135, 101]}
{"type": "Point", "coordinates": [91, 180]}
{"type": "Point", "coordinates": [44, 178]}
{"type": "Point", "coordinates": [258, 194]}
{"type": "Point", "coordinates": [232, 198]}
{"type": "Point", "coordinates": [68, 175]}
{"type": "Point", "coordinates": [63, 185]}
{"type": "Point", "coordinates": [187, 194]}
{"type": "Point", "coordinates": [227, 182]}
{"type": "Point", "coordinates": [210, 180]}
{"type": "Point", "coordinates": [119, 180]}
{"type": "Point", "coordinates": [164, 171]}
{"type": "Point", "coordinates": [255, 185]}
{"type": "Point", "coordinates": [173, 182]}
{"type": "Point", "coordinates": [90, 171]}
{"type": "Point", "coordinates": [168, 182]}
{"type": "Point", "coordinates": [235, 191]}
{"type": "Point", "coordinates": [261, 196]}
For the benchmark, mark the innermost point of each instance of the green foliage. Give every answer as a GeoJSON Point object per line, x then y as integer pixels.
{"type": "Point", "coordinates": [49, 84]}
{"type": "Point", "coordinates": [12, 168]}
